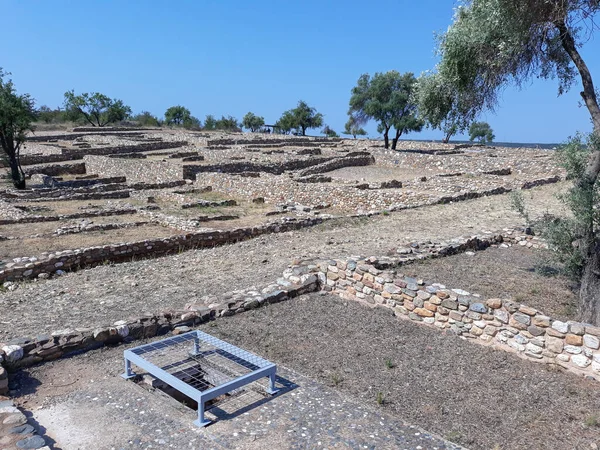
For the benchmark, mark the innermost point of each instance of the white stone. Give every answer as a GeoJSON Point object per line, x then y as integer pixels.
{"type": "Point", "coordinates": [561, 327]}
{"type": "Point", "coordinates": [572, 349]}
{"type": "Point", "coordinates": [596, 366]}
{"type": "Point", "coordinates": [480, 324]}
{"type": "Point", "coordinates": [428, 320]}
{"type": "Point", "coordinates": [460, 292]}
{"type": "Point", "coordinates": [591, 341]}
{"type": "Point", "coordinates": [580, 360]}
{"type": "Point", "coordinates": [562, 357]}
{"type": "Point", "coordinates": [517, 346]}
{"type": "Point", "coordinates": [13, 353]}
{"type": "Point", "coordinates": [123, 330]}
{"type": "Point", "coordinates": [533, 348]}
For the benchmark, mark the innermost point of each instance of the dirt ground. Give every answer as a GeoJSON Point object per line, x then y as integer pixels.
{"type": "Point", "coordinates": [472, 395]}
{"type": "Point", "coordinates": [519, 273]}
{"type": "Point", "coordinates": [105, 294]}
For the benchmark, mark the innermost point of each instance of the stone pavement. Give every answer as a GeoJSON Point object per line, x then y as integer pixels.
{"type": "Point", "coordinates": [15, 431]}
{"type": "Point", "coordinates": [99, 410]}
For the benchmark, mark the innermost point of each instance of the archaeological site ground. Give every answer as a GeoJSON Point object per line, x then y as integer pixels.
{"type": "Point", "coordinates": [405, 303]}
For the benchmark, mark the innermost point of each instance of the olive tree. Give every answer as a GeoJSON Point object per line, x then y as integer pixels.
{"type": "Point", "coordinates": [97, 109]}
{"type": "Point", "coordinates": [301, 118]}
{"type": "Point", "coordinates": [482, 132]}
{"type": "Point", "coordinates": [17, 113]}
{"type": "Point", "coordinates": [442, 107]}
{"type": "Point", "coordinates": [353, 128]}
{"type": "Point", "coordinates": [253, 122]}
{"type": "Point", "coordinates": [388, 99]}
{"type": "Point", "coordinates": [177, 115]}
{"type": "Point", "coordinates": [494, 43]}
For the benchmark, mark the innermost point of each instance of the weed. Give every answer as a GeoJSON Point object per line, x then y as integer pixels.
{"type": "Point", "coordinates": [389, 363]}
{"type": "Point", "coordinates": [380, 399]}
{"type": "Point", "coordinates": [592, 421]}
{"type": "Point", "coordinates": [454, 436]}
{"type": "Point", "coordinates": [385, 212]}
{"type": "Point", "coordinates": [336, 378]}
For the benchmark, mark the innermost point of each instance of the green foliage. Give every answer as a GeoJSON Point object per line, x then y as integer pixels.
{"type": "Point", "coordinates": [286, 123]}
{"type": "Point", "coordinates": [517, 202]}
{"type": "Point", "coordinates": [192, 123]}
{"type": "Point", "coordinates": [389, 363]}
{"type": "Point", "coordinates": [329, 132]}
{"type": "Point", "coordinates": [210, 123]}
{"type": "Point", "coordinates": [441, 106]}
{"type": "Point", "coordinates": [481, 131]}
{"type": "Point", "coordinates": [253, 122]}
{"type": "Point", "coordinates": [228, 123]}
{"type": "Point", "coordinates": [177, 115]}
{"type": "Point", "coordinates": [568, 237]}
{"type": "Point", "coordinates": [493, 43]}
{"type": "Point", "coordinates": [48, 115]}
{"type": "Point", "coordinates": [387, 98]}
{"type": "Point", "coordinates": [353, 128]}
{"type": "Point", "coordinates": [380, 398]}
{"type": "Point", "coordinates": [301, 118]}
{"type": "Point", "coordinates": [17, 113]}
{"type": "Point", "coordinates": [97, 109]}
{"type": "Point", "coordinates": [146, 119]}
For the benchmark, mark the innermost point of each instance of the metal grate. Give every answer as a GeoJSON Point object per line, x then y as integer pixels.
{"type": "Point", "coordinates": [200, 366]}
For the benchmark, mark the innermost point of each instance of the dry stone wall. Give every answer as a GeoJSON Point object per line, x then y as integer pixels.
{"type": "Point", "coordinates": [139, 171]}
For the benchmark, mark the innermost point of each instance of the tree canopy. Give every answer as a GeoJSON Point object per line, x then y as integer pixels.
{"type": "Point", "coordinates": [388, 99]}
{"type": "Point", "coordinates": [97, 109]}
{"type": "Point", "coordinates": [17, 114]}
{"type": "Point", "coordinates": [482, 132]}
{"type": "Point", "coordinates": [302, 118]}
{"type": "Point", "coordinates": [177, 115]}
{"type": "Point", "coordinates": [353, 128]}
{"type": "Point", "coordinates": [495, 43]}
{"type": "Point", "coordinates": [253, 122]}
{"type": "Point", "coordinates": [442, 107]}
{"type": "Point", "coordinates": [329, 132]}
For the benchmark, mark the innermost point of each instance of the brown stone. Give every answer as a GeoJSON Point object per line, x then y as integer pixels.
{"type": "Point", "coordinates": [442, 295]}
{"type": "Point", "coordinates": [476, 331]}
{"type": "Point", "coordinates": [443, 310]}
{"type": "Point", "coordinates": [494, 303]}
{"type": "Point", "coordinates": [430, 306]}
{"type": "Point", "coordinates": [527, 310]}
{"type": "Point", "coordinates": [541, 321]}
{"type": "Point", "coordinates": [554, 333]}
{"type": "Point", "coordinates": [573, 339]}
{"type": "Point", "coordinates": [423, 312]}
{"type": "Point", "coordinates": [516, 324]}
{"type": "Point", "coordinates": [409, 305]}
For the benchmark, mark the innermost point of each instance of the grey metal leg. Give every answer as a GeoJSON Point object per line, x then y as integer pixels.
{"type": "Point", "coordinates": [272, 389]}
{"type": "Point", "coordinates": [201, 422]}
{"type": "Point", "coordinates": [128, 372]}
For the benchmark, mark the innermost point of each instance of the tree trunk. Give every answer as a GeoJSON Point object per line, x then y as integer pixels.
{"type": "Point", "coordinates": [386, 139]}
{"type": "Point", "coordinates": [589, 293]}
{"type": "Point", "coordinates": [16, 173]}
{"type": "Point", "coordinates": [447, 138]}
{"type": "Point", "coordinates": [395, 140]}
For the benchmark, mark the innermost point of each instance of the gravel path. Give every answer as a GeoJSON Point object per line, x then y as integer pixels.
{"type": "Point", "coordinates": [105, 294]}
{"type": "Point", "coordinates": [473, 395]}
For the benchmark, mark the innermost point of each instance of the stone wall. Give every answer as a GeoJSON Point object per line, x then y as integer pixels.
{"type": "Point", "coordinates": [56, 169]}
{"type": "Point", "coordinates": [48, 263]}
{"type": "Point", "coordinates": [376, 282]}
{"type": "Point", "coordinates": [504, 324]}
{"type": "Point", "coordinates": [144, 147]}
{"type": "Point", "coordinates": [135, 170]}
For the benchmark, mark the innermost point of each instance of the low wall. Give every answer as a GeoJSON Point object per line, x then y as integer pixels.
{"type": "Point", "coordinates": [72, 259]}
{"type": "Point", "coordinates": [54, 170]}
{"type": "Point", "coordinates": [502, 324]}
{"type": "Point", "coordinates": [138, 171]}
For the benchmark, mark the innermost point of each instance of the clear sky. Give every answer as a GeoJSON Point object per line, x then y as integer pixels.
{"type": "Point", "coordinates": [231, 56]}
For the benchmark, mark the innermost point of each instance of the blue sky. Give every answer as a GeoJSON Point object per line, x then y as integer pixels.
{"type": "Point", "coordinates": [230, 57]}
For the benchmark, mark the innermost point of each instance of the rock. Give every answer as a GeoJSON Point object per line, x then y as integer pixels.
{"type": "Point", "coordinates": [541, 321]}
{"type": "Point", "coordinates": [561, 327]}
{"type": "Point", "coordinates": [450, 304]}
{"type": "Point", "coordinates": [527, 310]}
{"type": "Point", "coordinates": [501, 315]}
{"type": "Point", "coordinates": [522, 318]}
{"type": "Point", "coordinates": [15, 419]}
{"type": "Point", "coordinates": [574, 350]}
{"type": "Point", "coordinates": [581, 360]}
{"type": "Point", "coordinates": [494, 303]}
{"type": "Point", "coordinates": [478, 307]}
{"type": "Point", "coordinates": [476, 331]}
{"type": "Point", "coordinates": [533, 348]}
{"type": "Point", "coordinates": [573, 339]}
{"type": "Point", "coordinates": [577, 328]}
{"type": "Point", "coordinates": [422, 312]}
{"type": "Point", "coordinates": [12, 353]}
{"type": "Point", "coordinates": [536, 331]}
{"type": "Point", "coordinates": [31, 443]}
{"type": "Point", "coordinates": [591, 341]}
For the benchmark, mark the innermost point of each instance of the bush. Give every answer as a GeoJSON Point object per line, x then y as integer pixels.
{"type": "Point", "coordinates": [146, 119]}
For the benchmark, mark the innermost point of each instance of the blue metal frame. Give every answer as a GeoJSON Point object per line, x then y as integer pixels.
{"type": "Point", "coordinates": [261, 367]}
